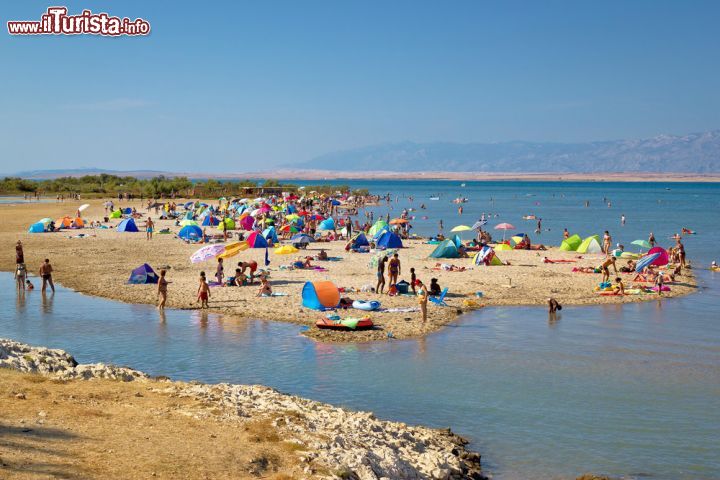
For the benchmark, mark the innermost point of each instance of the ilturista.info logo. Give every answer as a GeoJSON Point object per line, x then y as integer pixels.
{"type": "Point", "coordinates": [56, 21]}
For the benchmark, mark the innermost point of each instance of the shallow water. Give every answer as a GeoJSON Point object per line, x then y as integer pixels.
{"type": "Point", "coordinates": [622, 391]}
{"type": "Point", "coordinates": [631, 391]}
{"type": "Point", "coordinates": [19, 199]}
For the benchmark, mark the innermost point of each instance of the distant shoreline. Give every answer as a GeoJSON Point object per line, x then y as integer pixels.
{"type": "Point", "coordinates": [321, 175]}
{"type": "Point", "coordinates": [478, 176]}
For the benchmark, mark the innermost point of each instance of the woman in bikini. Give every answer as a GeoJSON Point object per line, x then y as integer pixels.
{"type": "Point", "coordinates": [681, 252]}
{"type": "Point", "coordinates": [607, 242]}
{"type": "Point", "coordinates": [394, 269]}
{"type": "Point", "coordinates": [162, 290]}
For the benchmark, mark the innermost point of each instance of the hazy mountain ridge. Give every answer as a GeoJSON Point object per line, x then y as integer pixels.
{"type": "Point", "coordinates": [693, 153]}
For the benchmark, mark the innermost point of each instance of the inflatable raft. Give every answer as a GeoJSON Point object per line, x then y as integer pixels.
{"type": "Point", "coordinates": [368, 306]}
{"type": "Point", "coordinates": [346, 324]}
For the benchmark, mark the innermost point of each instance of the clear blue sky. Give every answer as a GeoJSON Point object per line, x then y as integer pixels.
{"type": "Point", "coordinates": [235, 86]}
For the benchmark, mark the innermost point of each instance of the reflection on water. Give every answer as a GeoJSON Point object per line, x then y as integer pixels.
{"type": "Point", "coordinates": [47, 302]}
{"type": "Point", "coordinates": [608, 389]}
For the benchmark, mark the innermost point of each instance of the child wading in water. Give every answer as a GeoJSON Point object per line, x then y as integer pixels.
{"type": "Point", "coordinates": [203, 291]}
{"type": "Point", "coordinates": [162, 289]}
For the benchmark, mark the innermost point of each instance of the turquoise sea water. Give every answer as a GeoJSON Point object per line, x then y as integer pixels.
{"type": "Point", "coordinates": [631, 391]}
{"type": "Point", "coordinates": [15, 199]}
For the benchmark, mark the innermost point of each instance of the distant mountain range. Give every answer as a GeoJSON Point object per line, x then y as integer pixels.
{"type": "Point", "coordinates": [697, 153]}
{"type": "Point", "coordinates": [79, 172]}
{"type": "Point", "coordinates": [694, 153]}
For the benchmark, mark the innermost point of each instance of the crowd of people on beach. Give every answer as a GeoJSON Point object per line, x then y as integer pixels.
{"type": "Point", "coordinates": [337, 217]}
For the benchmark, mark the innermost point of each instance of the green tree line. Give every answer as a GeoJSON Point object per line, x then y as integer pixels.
{"type": "Point", "coordinates": [111, 185]}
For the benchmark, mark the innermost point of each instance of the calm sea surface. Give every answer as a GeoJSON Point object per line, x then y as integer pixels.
{"type": "Point", "coordinates": [630, 391]}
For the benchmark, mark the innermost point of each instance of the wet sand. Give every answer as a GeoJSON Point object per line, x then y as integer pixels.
{"type": "Point", "coordinates": [100, 264]}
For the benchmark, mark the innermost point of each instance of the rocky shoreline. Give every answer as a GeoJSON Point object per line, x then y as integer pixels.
{"type": "Point", "coordinates": [332, 442]}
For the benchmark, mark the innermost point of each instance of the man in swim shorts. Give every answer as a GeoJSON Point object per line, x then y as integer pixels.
{"type": "Point", "coordinates": [381, 275]}
{"type": "Point", "coordinates": [249, 265]}
{"type": "Point", "coordinates": [149, 224]}
{"type": "Point", "coordinates": [46, 271]}
{"type": "Point", "coordinates": [606, 270]}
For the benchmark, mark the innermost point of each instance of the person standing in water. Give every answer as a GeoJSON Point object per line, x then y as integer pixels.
{"type": "Point", "coordinates": [46, 271]}
{"type": "Point", "coordinates": [162, 289]}
{"type": "Point", "coordinates": [553, 305]}
{"type": "Point", "coordinates": [651, 239]}
{"type": "Point", "coordinates": [622, 219]}
{"type": "Point", "coordinates": [566, 234]}
{"type": "Point", "coordinates": [20, 276]}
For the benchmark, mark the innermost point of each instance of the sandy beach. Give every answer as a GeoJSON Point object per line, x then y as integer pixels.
{"type": "Point", "coordinates": [55, 415]}
{"type": "Point", "coordinates": [100, 264]}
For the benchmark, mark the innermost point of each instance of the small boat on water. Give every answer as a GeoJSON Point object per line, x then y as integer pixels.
{"type": "Point", "coordinates": [345, 324]}
{"type": "Point", "coordinates": [462, 184]}
{"type": "Point", "coordinates": [434, 198]}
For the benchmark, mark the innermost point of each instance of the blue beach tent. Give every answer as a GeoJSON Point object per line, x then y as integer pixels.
{"type": "Point", "coordinates": [360, 241]}
{"type": "Point", "coordinates": [210, 221]}
{"type": "Point", "coordinates": [127, 225]}
{"type": "Point", "coordinates": [142, 275]}
{"type": "Point", "coordinates": [190, 232]}
{"type": "Point", "coordinates": [37, 228]}
{"type": "Point", "coordinates": [389, 240]}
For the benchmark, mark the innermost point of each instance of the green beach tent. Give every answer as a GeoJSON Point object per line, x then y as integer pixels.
{"type": "Point", "coordinates": [590, 245]}
{"type": "Point", "coordinates": [446, 249]}
{"type": "Point", "coordinates": [228, 223]}
{"type": "Point", "coordinates": [377, 227]}
{"type": "Point", "coordinates": [116, 213]}
{"type": "Point", "coordinates": [571, 243]}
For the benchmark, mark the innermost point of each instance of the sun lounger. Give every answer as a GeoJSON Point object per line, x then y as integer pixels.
{"type": "Point", "coordinates": [440, 301]}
